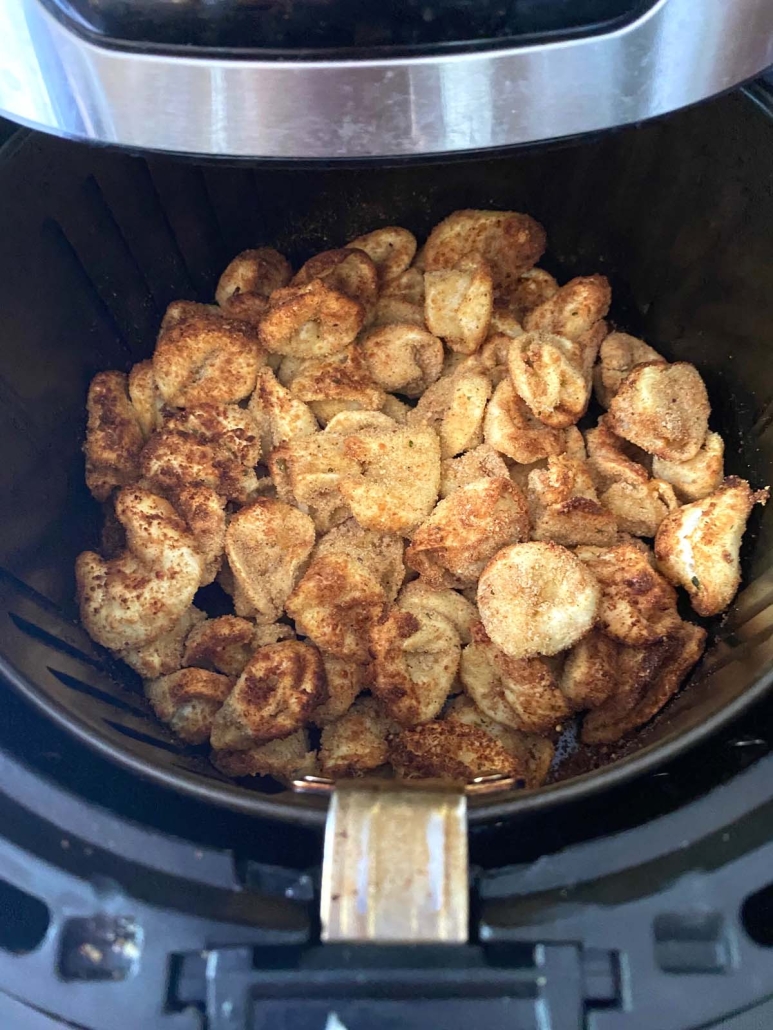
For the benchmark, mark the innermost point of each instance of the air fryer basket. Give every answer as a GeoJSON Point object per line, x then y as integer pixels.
{"type": "Point", "coordinates": [94, 244]}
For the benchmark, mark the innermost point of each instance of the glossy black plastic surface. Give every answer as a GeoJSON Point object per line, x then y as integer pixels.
{"type": "Point", "coordinates": [348, 27]}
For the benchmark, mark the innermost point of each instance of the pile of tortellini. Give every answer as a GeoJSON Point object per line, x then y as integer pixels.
{"type": "Point", "coordinates": [432, 569]}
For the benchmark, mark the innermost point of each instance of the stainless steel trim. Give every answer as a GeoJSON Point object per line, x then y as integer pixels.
{"type": "Point", "coordinates": [395, 867]}
{"type": "Point", "coordinates": [679, 52]}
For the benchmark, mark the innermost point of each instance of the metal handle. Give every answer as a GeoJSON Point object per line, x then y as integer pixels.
{"type": "Point", "coordinates": [395, 866]}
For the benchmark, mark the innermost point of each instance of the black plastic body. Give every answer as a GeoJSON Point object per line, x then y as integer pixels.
{"type": "Point", "coordinates": [345, 28]}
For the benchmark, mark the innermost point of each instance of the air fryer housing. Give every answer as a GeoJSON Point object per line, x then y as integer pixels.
{"type": "Point", "coordinates": [338, 79]}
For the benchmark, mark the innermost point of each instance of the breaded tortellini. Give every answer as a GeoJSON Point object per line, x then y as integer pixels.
{"type": "Point", "coordinates": [146, 398]}
{"type": "Point", "coordinates": [336, 604]}
{"type": "Point", "coordinates": [575, 310]}
{"type": "Point", "coordinates": [189, 701]}
{"type": "Point", "coordinates": [278, 415]}
{"type": "Point", "coordinates": [698, 545]}
{"type": "Point", "coordinates": [536, 599]}
{"type": "Point", "coordinates": [380, 554]}
{"type": "Point", "coordinates": [273, 697]}
{"type": "Point", "coordinates": [466, 529]}
{"type": "Point", "coordinates": [202, 357]}
{"type": "Point", "coordinates": [350, 271]}
{"type": "Point", "coordinates": [510, 428]}
{"type": "Point", "coordinates": [510, 242]}
{"type": "Point", "coordinates": [133, 599]}
{"type": "Point", "coordinates": [450, 750]}
{"type": "Point", "coordinates": [341, 382]}
{"type": "Point", "coordinates": [289, 758]}
{"type": "Point", "coordinates": [664, 409]}
{"type": "Point", "coordinates": [114, 437]}
{"type": "Point", "coordinates": [403, 358]}
{"type": "Point", "coordinates": [645, 679]}
{"type": "Point", "coordinates": [415, 659]}
{"type": "Point", "coordinates": [357, 742]}
{"type": "Point", "coordinates": [532, 753]}
{"type": "Point", "coordinates": [344, 682]}
{"type": "Point", "coordinates": [548, 372]}
{"type": "Point", "coordinates": [224, 644]}
{"type": "Point", "coordinates": [618, 356]}
{"type": "Point", "coordinates": [419, 596]}
{"type": "Point", "coordinates": [391, 250]}
{"type": "Point", "coordinates": [310, 321]}
{"type": "Point", "coordinates": [697, 478]}
{"type": "Point", "coordinates": [482, 462]}
{"type": "Point", "coordinates": [165, 654]}
{"type": "Point", "coordinates": [564, 506]}
{"type": "Point", "coordinates": [454, 407]}
{"type": "Point", "coordinates": [267, 544]}
{"type": "Point", "coordinates": [458, 302]}
{"type": "Point", "coordinates": [521, 693]}
{"type": "Point", "coordinates": [249, 280]}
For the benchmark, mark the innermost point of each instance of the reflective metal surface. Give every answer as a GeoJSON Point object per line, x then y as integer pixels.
{"type": "Point", "coordinates": [395, 867]}
{"type": "Point", "coordinates": [679, 52]}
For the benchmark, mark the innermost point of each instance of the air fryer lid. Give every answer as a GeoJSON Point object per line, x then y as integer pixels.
{"type": "Point", "coordinates": [343, 79]}
{"type": "Point", "coordinates": [113, 239]}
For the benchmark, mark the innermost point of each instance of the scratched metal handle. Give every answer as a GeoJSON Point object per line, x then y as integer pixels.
{"type": "Point", "coordinates": [395, 865]}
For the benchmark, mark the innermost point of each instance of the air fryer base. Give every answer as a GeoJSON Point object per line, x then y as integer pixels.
{"type": "Point", "coordinates": [665, 924]}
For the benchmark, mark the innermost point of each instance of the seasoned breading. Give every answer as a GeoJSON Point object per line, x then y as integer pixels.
{"type": "Point", "coordinates": [341, 382]}
{"type": "Point", "coordinates": [114, 436]}
{"type": "Point", "coordinates": [278, 415]}
{"type": "Point", "coordinates": [528, 292]}
{"type": "Point", "coordinates": [274, 696]}
{"type": "Point", "coordinates": [646, 680]}
{"type": "Point", "coordinates": [146, 398]}
{"type": "Point", "coordinates": [391, 250]}
{"type": "Point", "coordinates": [454, 407]}
{"type": "Point", "coordinates": [510, 428]}
{"type": "Point", "coordinates": [357, 742]}
{"type": "Point", "coordinates": [639, 508]}
{"type": "Point", "coordinates": [694, 479]}
{"type": "Point", "coordinates": [164, 655]}
{"type": "Point", "coordinates": [204, 358]}
{"type": "Point", "coordinates": [380, 554]}
{"type": "Point", "coordinates": [415, 659]}
{"type": "Point", "coordinates": [458, 302]}
{"type": "Point", "coordinates": [290, 758]}
{"type": "Point", "coordinates": [350, 271]}
{"type": "Point", "coordinates": [214, 445]}
{"type": "Point", "coordinates": [698, 546]}
{"type": "Point", "coordinates": [450, 750]}
{"type": "Point", "coordinates": [224, 645]}
{"type": "Point", "coordinates": [536, 599]}
{"type": "Point", "coordinates": [482, 462]}
{"type": "Point", "coordinates": [408, 286]}
{"type": "Point", "coordinates": [548, 372]}
{"type": "Point", "coordinates": [418, 596]}
{"type": "Point", "coordinates": [188, 701]}
{"type": "Point", "coordinates": [589, 676]}
{"type": "Point", "coordinates": [573, 310]}
{"type": "Point", "coordinates": [307, 471]}
{"type": "Point", "coordinates": [399, 311]}
{"type": "Point", "coordinates": [397, 479]}
{"type": "Point", "coordinates": [403, 358]}
{"type": "Point", "coordinates": [249, 280]}
{"type": "Point", "coordinates": [310, 321]}
{"type": "Point", "coordinates": [267, 544]}
{"type": "Point", "coordinates": [345, 680]}
{"type": "Point", "coordinates": [336, 604]}
{"type": "Point", "coordinates": [637, 605]}
{"type": "Point", "coordinates": [612, 459]}
{"type": "Point", "coordinates": [619, 355]}
{"type": "Point", "coordinates": [452, 546]}
{"type": "Point", "coordinates": [521, 693]}
{"type": "Point", "coordinates": [510, 242]}
{"type": "Point", "coordinates": [664, 409]}
{"type": "Point", "coordinates": [564, 507]}
{"type": "Point", "coordinates": [204, 512]}
{"type": "Point", "coordinates": [133, 599]}
{"type": "Point", "coordinates": [532, 753]}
